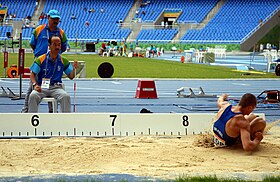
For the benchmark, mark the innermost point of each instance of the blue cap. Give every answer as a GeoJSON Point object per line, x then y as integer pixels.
{"type": "Point", "coordinates": [54, 13]}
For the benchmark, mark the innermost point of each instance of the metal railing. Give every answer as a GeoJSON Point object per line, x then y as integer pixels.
{"type": "Point", "coordinates": [159, 27]}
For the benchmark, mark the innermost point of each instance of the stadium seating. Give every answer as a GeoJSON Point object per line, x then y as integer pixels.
{"type": "Point", "coordinates": [156, 35]}
{"type": "Point", "coordinates": [233, 22]}
{"type": "Point", "coordinates": [21, 9]}
{"type": "Point", "coordinates": [26, 33]}
{"type": "Point", "coordinates": [102, 25]}
{"type": "Point", "coordinates": [4, 30]}
{"type": "Point", "coordinates": [193, 11]}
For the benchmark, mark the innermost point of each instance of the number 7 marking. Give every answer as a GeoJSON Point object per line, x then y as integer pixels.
{"type": "Point", "coordinates": [114, 119]}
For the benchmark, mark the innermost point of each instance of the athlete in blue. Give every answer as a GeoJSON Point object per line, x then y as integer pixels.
{"type": "Point", "coordinates": [235, 123]}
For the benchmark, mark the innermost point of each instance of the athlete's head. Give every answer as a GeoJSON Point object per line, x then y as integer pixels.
{"type": "Point", "coordinates": [248, 103]}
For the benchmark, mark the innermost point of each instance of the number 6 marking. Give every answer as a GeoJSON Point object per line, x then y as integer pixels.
{"type": "Point", "coordinates": [114, 119]}
{"type": "Point", "coordinates": [35, 120]}
{"type": "Point", "coordinates": [185, 120]}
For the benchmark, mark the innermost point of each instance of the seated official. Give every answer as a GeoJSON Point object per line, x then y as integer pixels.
{"type": "Point", "coordinates": [46, 77]}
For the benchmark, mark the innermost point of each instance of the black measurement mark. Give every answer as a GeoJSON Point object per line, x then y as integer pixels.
{"type": "Point", "coordinates": [113, 131]}
{"type": "Point", "coordinates": [149, 131]}
{"type": "Point", "coordinates": [186, 130]}
{"type": "Point", "coordinates": [35, 131]}
{"type": "Point", "coordinates": [74, 131]}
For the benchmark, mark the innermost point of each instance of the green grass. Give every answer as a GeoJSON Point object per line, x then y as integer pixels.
{"type": "Point", "coordinates": [215, 179]}
{"type": "Point", "coordinates": [148, 68]}
{"type": "Point", "coordinates": [188, 179]}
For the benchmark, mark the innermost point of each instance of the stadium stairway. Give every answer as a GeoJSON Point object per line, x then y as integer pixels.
{"type": "Point", "coordinates": [38, 11]}
{"type": "Point", "coordinates": [185, 27]}
{"type": "Point", "coordinates": [135, 27]}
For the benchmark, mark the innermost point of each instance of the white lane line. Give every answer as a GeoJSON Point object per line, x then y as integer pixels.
{"type": "Point", "coordinates": [116, 83]}
{"type": "Point", "coordinates": [242, 84]}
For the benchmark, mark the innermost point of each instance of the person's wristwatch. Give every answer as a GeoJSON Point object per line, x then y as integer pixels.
{"type": "Point", "coordinates": [34, 84]}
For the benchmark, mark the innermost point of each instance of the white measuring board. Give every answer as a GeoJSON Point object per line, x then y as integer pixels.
{"type": "Point", "coordinates": [31, 125]}
{"type": "Point", "coordinates": [165, 124]}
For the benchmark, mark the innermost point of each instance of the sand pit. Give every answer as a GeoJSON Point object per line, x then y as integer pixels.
{"type": "Point", "coordinates": [157, 157]}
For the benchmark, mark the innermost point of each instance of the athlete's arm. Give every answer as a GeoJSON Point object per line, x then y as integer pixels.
{"type": "Point", "coordinates": [222, 100]}
{"type": "Point", "coordinates": [245, 135]}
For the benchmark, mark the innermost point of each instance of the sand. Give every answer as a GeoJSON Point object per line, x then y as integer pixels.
{"type": "Point", "coordinates": [154, 156]}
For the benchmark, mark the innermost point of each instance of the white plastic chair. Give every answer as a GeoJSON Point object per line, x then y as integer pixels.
{"type": "Point", "coordinates": [270, 62]}
{"type": "Point", "coordinates": [274, 55]}
{"type": "Point", "coordinates": [53, 101]}
{"type": "Point", "coordinates": [199, 55]}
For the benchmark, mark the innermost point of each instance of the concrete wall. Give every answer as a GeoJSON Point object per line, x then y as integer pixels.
{"type": "Point", "coordinates": [261, 32]}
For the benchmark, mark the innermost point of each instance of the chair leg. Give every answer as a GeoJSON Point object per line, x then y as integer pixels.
{"type": "Point", "coordinates": [55, 105]}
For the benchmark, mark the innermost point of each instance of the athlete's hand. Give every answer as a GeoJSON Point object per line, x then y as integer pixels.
{"type": "Point", "coordinates": [258, 135]}
{"type": "Point", "coordinates": [224, 96]}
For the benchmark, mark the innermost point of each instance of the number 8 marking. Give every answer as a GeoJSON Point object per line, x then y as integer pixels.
{"type": "Point", "coordinates": [185, 120]}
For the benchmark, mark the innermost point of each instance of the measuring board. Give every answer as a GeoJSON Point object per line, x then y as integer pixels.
{"type": "Point", "coordinates": [44, 125]}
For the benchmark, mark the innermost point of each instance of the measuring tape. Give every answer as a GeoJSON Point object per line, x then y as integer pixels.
{"type": "Point", "coordinates": [44, 125]}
